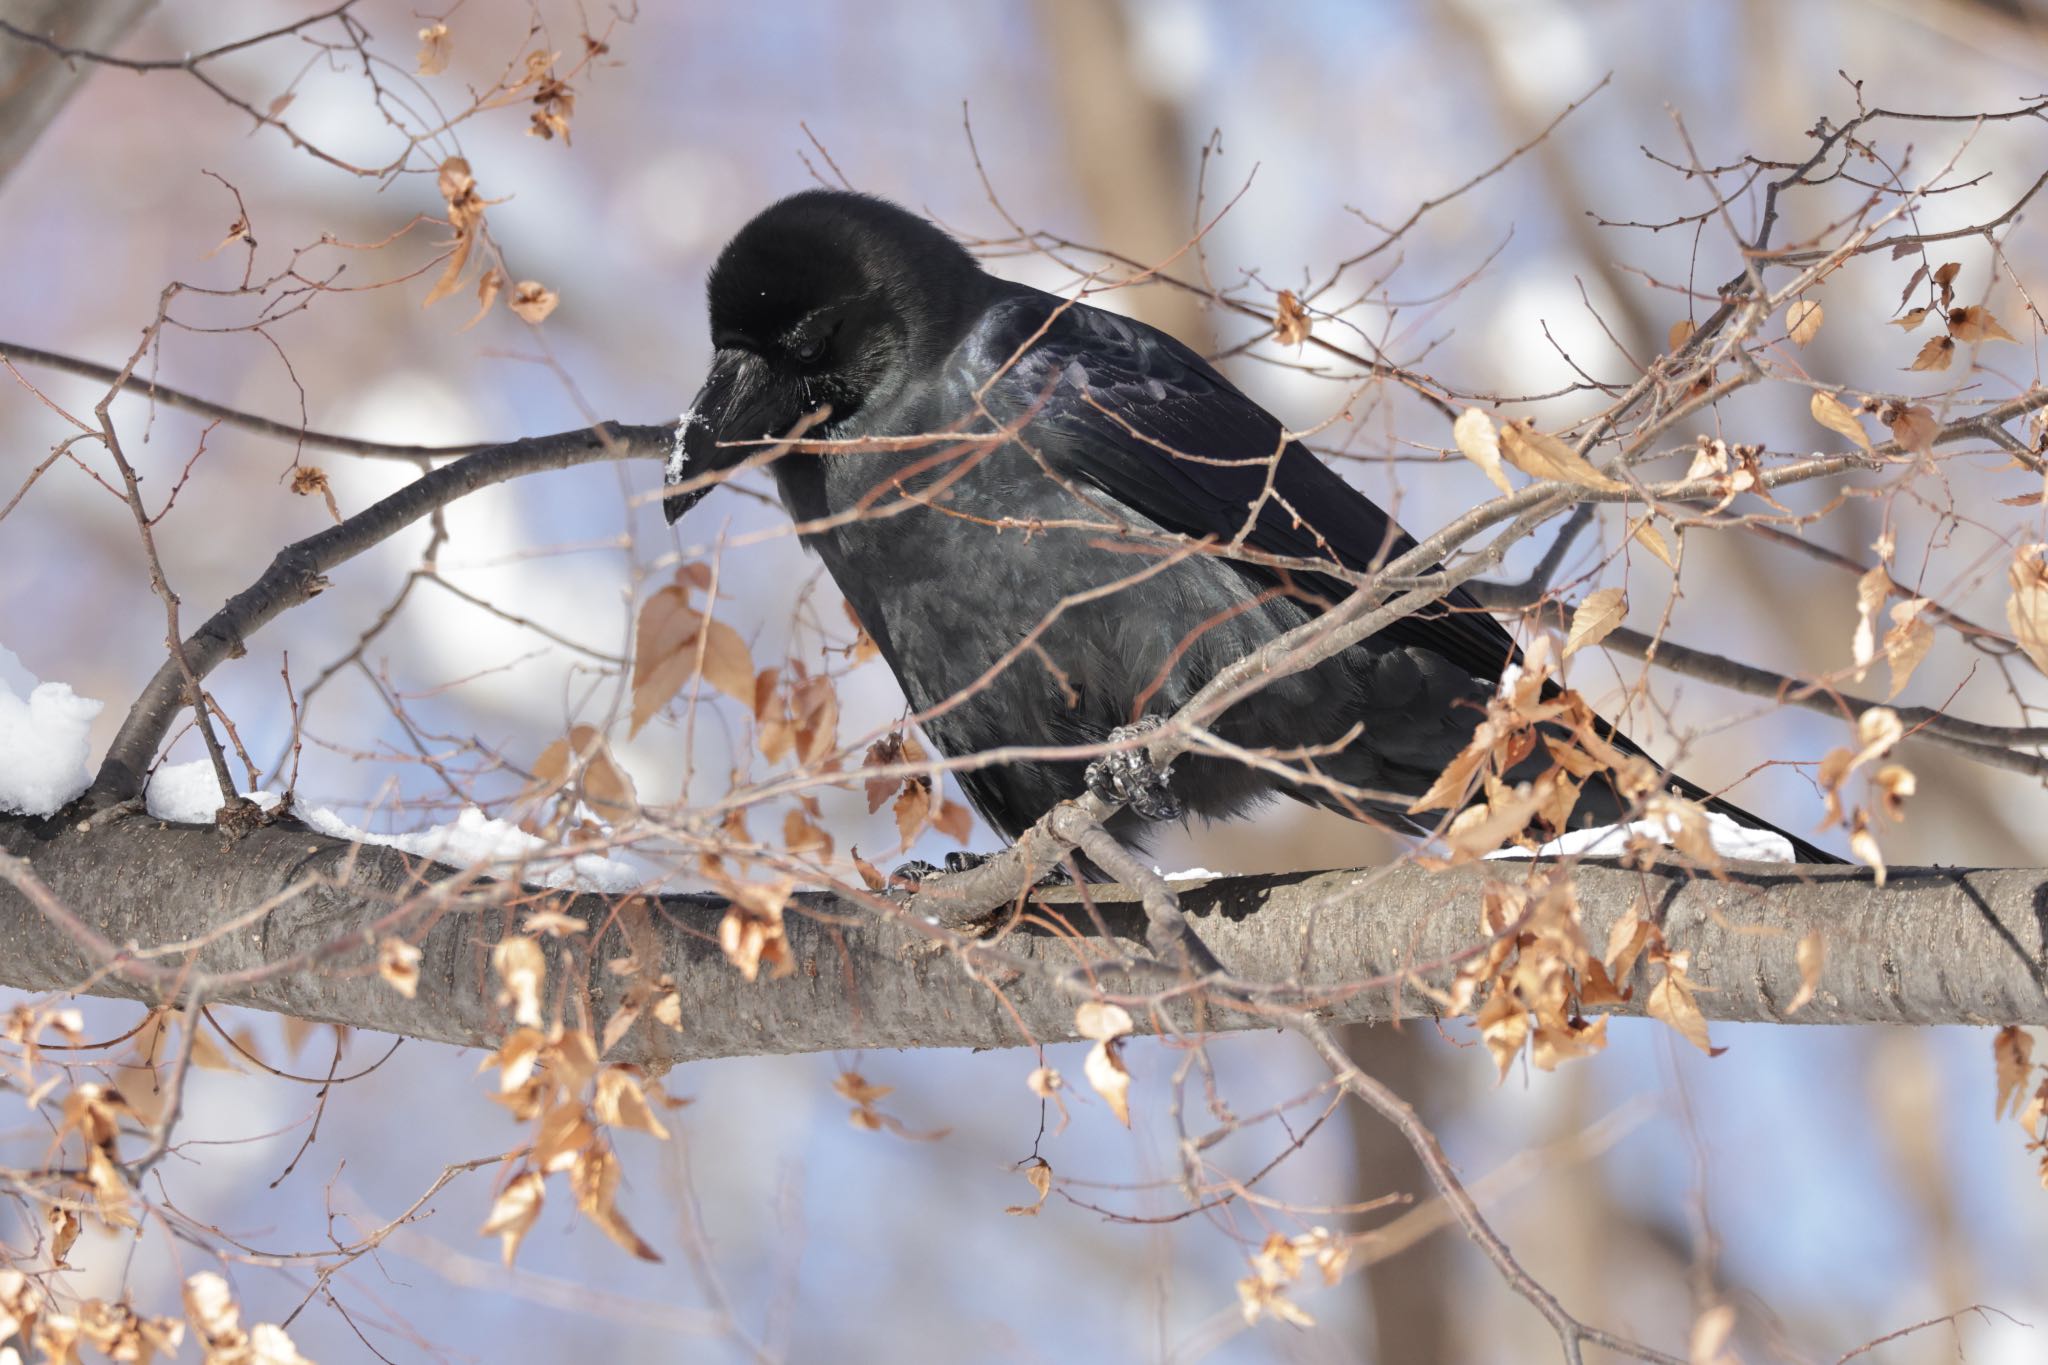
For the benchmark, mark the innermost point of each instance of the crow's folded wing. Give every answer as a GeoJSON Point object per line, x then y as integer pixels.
{"type": "Point", "coordinates": [1130, 411]}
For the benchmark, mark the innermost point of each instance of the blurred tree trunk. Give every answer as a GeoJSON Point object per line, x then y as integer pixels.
{"type": "Point", "coordinates": [35, 82]}
{"type": "Point", "coordinates": [1411, 1293]}
{"type": "Point", "coordinates": [1128, 149]}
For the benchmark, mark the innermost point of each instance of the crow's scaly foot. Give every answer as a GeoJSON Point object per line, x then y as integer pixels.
{"type": "Point", "coordinates": [1129, 776]}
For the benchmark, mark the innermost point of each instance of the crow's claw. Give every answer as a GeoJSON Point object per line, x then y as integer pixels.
{"type": "Point", "coordinates": [918, 869]}
{"type": "Point", "coordinates": [1129, 776]}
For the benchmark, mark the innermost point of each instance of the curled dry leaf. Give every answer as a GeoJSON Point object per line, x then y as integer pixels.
{"type": "Point", "coordinates": [310, 479]}
{"type": "Point", "coordinates": [621, 1101]}
{"type": "Point", "coordinates": [1894, 782]}
{"type": "Point", "coordinates": [1833, 414]}
{"type": "Point", "coordinates": [1672, 1001]}
{"type": "Point", "coordinates": [1290, 320]}
{"type": "Point", "coordinates": [1711, 1333]}
{"type": "Point", "coordinates": [533, 301]}
{"type": "Point", "coordinates": [1106, 1073]}
{"type": "Point", "coordinates": [1863, 843]}
{"type": "Point", "coordinates": [1480, 443]}
{"type": "Point", "coordinates": [2026, 611]}
{"type": "Point", "coordinates": [595, 1179]}
{"type": "Point", "coordinates": [488, 286]}
{"type": "Point", "coordinates": [1543, 456]}
{"type": "Point", "coordinates": [1907, 642]}
{"type": "Point", "coordinates": [1040, 1175]}
{"type": "Point", "coordinates": [523, 969]}
{"type": "Point", "coordinates": [1802, 321]}
{"type": "Point", "coordinates": [2012, 1052]}
{"type": "Point", "coordinates": [1680, 332]}
{"type": "Point", "coordinates": [514, 1211]}
{"type": "Point", "coordinates": [1871, 590]}
{"type": "Point", "coordinates": [1811, 954]}
{"type": "Point", "coordinates": [1595, 619]}
{"type": "Point", "coordinates": [398, 962]}
{"type": "Point", "coordinates": [1913, 319]}
{"type": "Point", "coordinates": [1101, 1020]}
{"type": "Point", "coordinates": [466, 216]}
{"type": "Point", "coordinates": [433, 49]}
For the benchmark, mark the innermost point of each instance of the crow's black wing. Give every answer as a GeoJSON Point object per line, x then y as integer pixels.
{"type": "Point", "coordinates": [1129, 410]}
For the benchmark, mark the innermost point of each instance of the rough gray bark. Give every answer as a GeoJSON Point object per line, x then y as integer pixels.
{"type": "Point", "coordinates": [1951, 946]}
{"type": "Point", "coordinates": [34, 82]}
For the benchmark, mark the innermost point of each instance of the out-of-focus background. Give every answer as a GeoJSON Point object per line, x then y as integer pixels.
{"type": "Point", "coordinates": [1833, 1184]}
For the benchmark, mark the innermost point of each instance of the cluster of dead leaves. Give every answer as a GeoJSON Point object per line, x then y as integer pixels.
{"type": "Point", "coordinates": [751, 934]}
{"type": "Point", "coordinates": [1909, 637]}
{"type": "Point", "coordinates": [2012, 1050]}
{"type": "Point", "coordinates": [1962, 326]}
{"type": "Point", "coordinates": [1878, 731]}
{"type": "Point", "coordinates": [1542, 456]}
{"type": "Point", "coordinates": [1492, 811]}
{"type": "Point", "coordinates": [1278, 1264]}
{"type": "Point", "coordinates": [917, 799]}
{"type": "Point", "coordinates": [115, 1330]}
{"type": "Point", "coordinates": [677, 640]}
{"type": "Point", "coordinates": [531, 300]}
{"type": "Point", "coordinates": [217, 1323]}
{"type": "Point", "coordinates": [557, 1081]}
{"type": "Point", "coordinates": [1537, 976]}
{"type": "Point", "coordinates": [574, 779]}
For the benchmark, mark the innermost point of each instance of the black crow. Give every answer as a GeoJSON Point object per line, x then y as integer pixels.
{"type": "Point", "coordinates": [1019, 585]}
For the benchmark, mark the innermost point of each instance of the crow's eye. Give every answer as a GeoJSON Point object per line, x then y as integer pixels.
{"type": "Point", "coordinates": [811, 351]}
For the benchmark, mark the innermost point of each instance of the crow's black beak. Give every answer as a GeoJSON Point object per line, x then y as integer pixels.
{"type": "Point", "coordinates": [696, 453]}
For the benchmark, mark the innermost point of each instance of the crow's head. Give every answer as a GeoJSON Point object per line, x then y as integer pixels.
{"type": "Point", "coordinates": [827, 299]}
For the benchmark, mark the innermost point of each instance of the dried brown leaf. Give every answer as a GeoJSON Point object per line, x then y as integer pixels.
{"type": "Point", "coordinates": [1833, 414]}
{"type": "Point", "coordinates": [1802, 321]}
{"type": "Point", "coordinates": [532, 301]}
{"type": "Point", "coordinates": [1936, 354]}
{"type": "Point", "coordinates": [1974, 324]}
{"type": "Point", "coordinates": [1478, 442]}
{"type": "Point", "coordinates": [1040, 1175]}
{"type": "Point", "coordinates": [1811, 954]}
{"type": "Point", "coordinates": [1543, 456]}
{"type": "Point", "coordinates": [1290, 320]}
{"type": "Point", "coordinates": [2026, 611]}
{"type": "Point", "coordinates": [398, 962]}
{"type": "Point", "coordinates": [1913, 427]}
{"type": "Point", "coordinates": [2012, 1052]}
{"type": "Point", "coordinates": [434, 48]}
{"type": "Point", "coordinates": [1106, 1073]}
{"type": "Point", "coordinates": [1595, 619]}
{"type": "Point", "coordinates": [514, 1211]}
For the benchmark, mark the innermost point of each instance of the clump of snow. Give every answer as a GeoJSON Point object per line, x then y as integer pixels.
{"type": "Point", "coordinates": [189, 794]}
{"type": "Point", "coordinates": [43, 741]}
{"type": "Point", "coordinates": [475, 840]}
{"type": "Point", "coordinates": [1731, 840]}
{"type": "Point", "coordinates": [1190, 874]}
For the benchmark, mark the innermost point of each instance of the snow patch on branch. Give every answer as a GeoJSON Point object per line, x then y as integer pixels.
{"type": "Point", "coordinates": [189, 794]}
{"type": "Point", "coordinates": [475, 840]}
{"type": "Point", "coordinates": [44, 744]}
{"type": "Point", "coordinates": [1731, 840]}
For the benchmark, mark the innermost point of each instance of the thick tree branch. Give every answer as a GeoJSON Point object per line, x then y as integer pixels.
{"type": "Point", "coordinates": [1955, 946]}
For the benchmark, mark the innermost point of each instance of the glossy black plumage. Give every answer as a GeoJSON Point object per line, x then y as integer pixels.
{"type": "Point", "coordinates": [1017, 584]}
